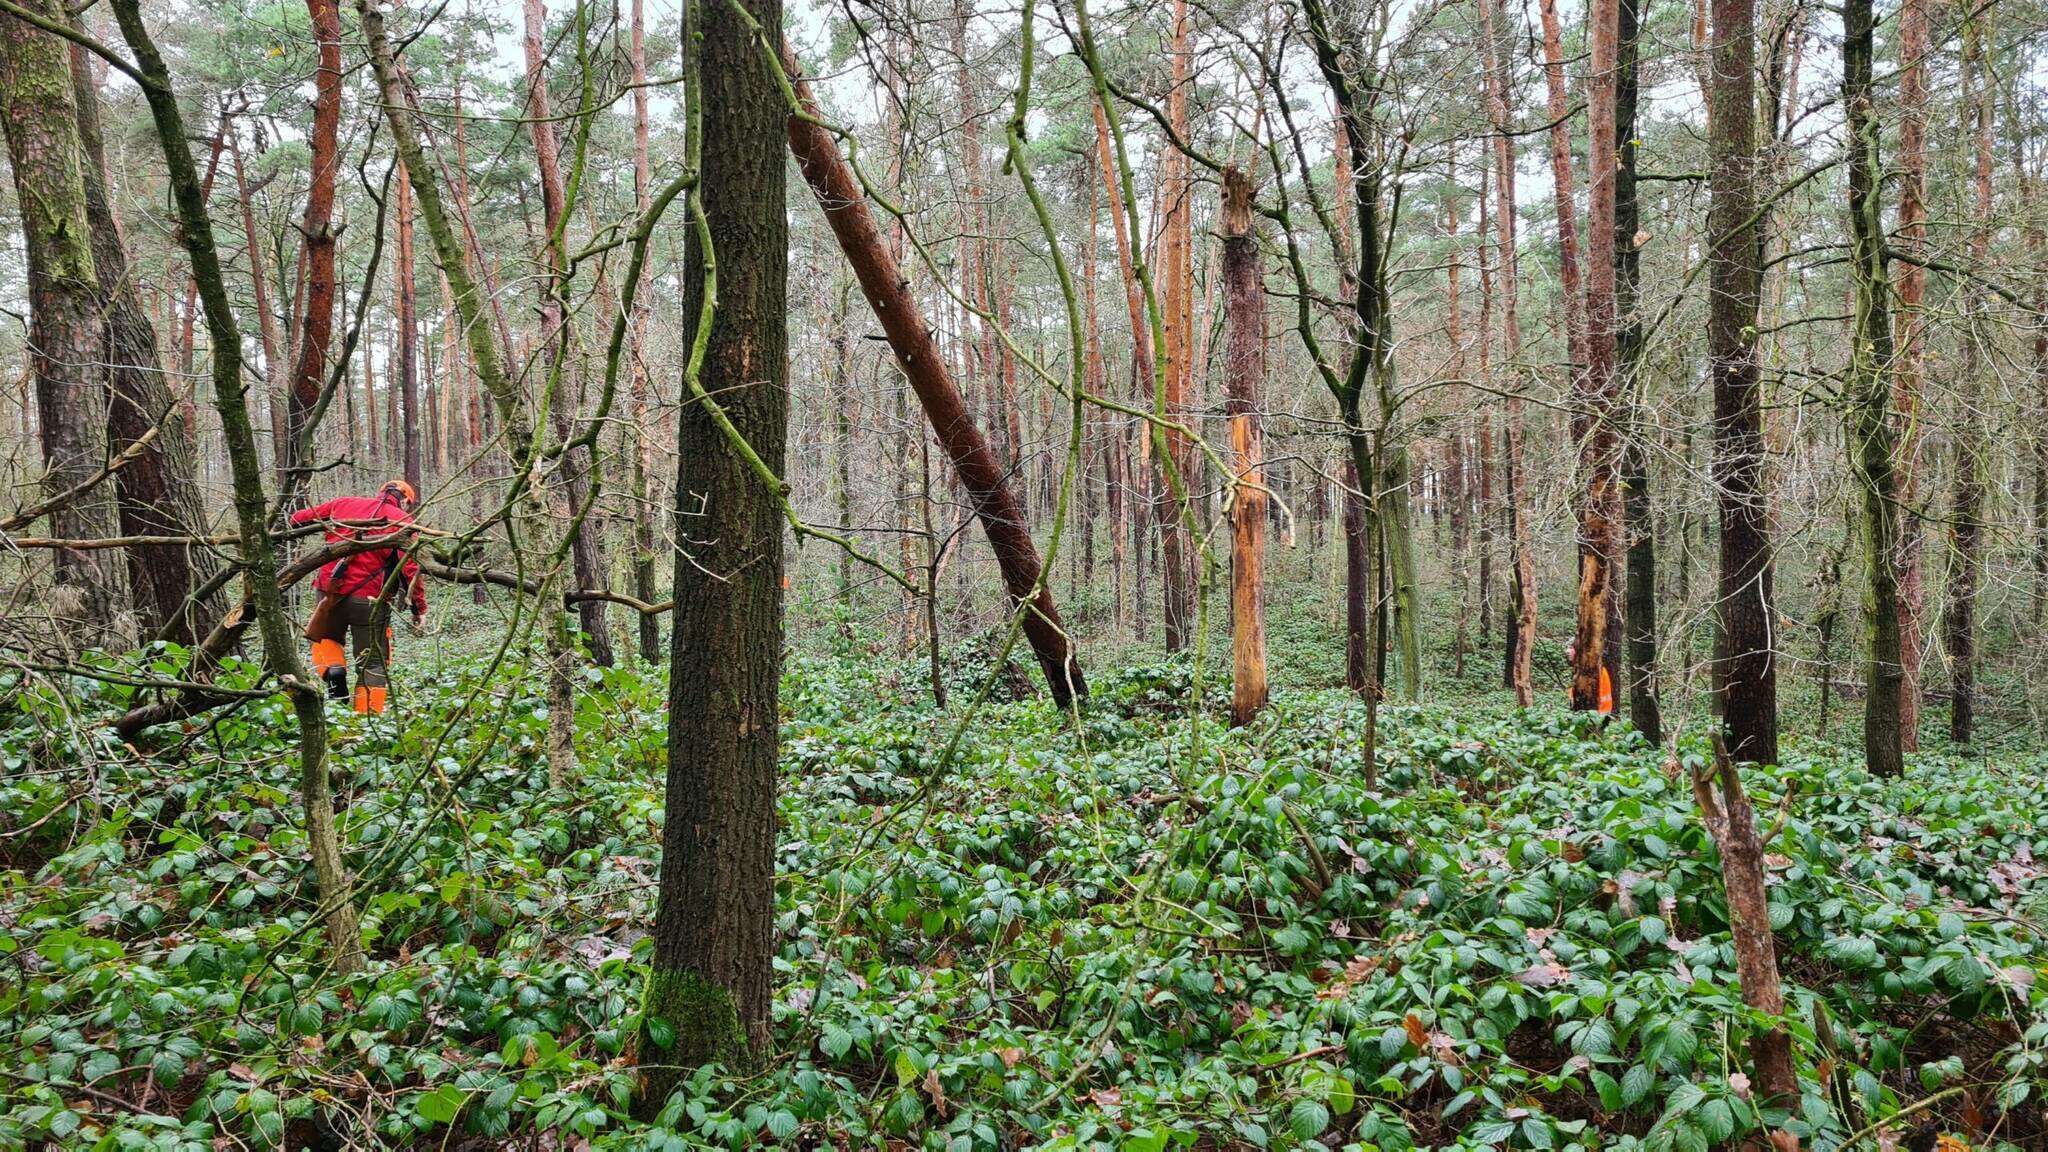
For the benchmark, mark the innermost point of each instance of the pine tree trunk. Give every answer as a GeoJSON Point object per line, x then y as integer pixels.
{"type": "Point", "coordinates": [316, 327]}
{"type": "Point", "coordinates": [711, 976]}
{"type": "Point", "coordinates": [1745, 664]}
{"type": "Point", "coordinates": [1598, 639]}
{"type": "Point", "coordinates": [88, 602]}
{"type": "Point", "coordinates": [1908, 367]}
{"type": "Point", "coordinates": [1177, 559]}
{"type": "Point", "coordinates": [1244, 376]}
{"type": "Point", "coordinates": [586, 551]}
{"type": "Point", "coordinates": [924, 367]}
{"type": "Point", "coordinates": [407, 345]}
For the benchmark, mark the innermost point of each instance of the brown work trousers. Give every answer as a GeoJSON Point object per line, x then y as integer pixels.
{"type": "Point", "coordinates": [367, 623]}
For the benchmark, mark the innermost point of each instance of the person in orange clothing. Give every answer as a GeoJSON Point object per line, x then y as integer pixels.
{"type": "Point", "coordinates": [1571, 653]}
{"type": "Point", "coordinates": [356, 591]}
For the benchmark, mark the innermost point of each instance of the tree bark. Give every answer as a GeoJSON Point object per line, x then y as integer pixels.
{"type": "Point", "coordinates": [1177, 559]}
{"type": "Point", "coordinates": [1873, 437]}
{"type": "Point", "coordinates": [988, 487]}
{"type": "Point", "coordinates": [1966, 521]}
{"type": "Point", "coordinates": [711, 975]}
{"type": "Point", "coordinates": [1745, 664]}
{"type": "Point", "coordinates": [1731, 821]}
{"type": "Point", "coordinates": [157, 492]}
{"type": "Point", "coordinates": [644, 526]}
{"type": "Point", "coordinates": [1244, 377]}
{"type": "Point", "coordinates": [1908, 369]}
{"type": "Point", "coordinates": [586, 553]}
{"type": "Point", "coordinates": [1598, 639]}
{"type": "Point", "coordinates": [1637, 523]}
{"type": "Point", "coordinates": [316, 325]}
{"type": "Point", "coordinates": [88, 601]}
{"type": "Point", "coordinates": [1521, 636]}
{"type": "Point", "coordinates": [407, 347]}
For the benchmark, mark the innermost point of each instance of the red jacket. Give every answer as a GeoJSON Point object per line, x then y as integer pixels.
{"type": "Point", "coordinates": [364, 573]}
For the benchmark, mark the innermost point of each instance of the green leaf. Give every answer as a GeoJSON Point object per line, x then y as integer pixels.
{"type": "Point", "coordinates": [1308, 1118]}
{"type": "Point", "coordinates": [1716, 1120]}
{"type": "Point", "coordinates": [442, 1105]}
{"type": "Point", "coordinates": [782, 1124]}
{"type": "Point", "coordinates": [1608, 1088]}
{"type": "Point", "coordinates": [1636, 1084]}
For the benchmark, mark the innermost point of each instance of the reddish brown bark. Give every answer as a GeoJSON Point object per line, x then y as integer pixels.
{"type": "Point", "coordinates": [1907, 367]}
{"type": "Point", "coordinates": [316, 319]}
{"type": "Point", "coordinates": [1244, 373]}
{"type": "Point", "coordinates": [1598, 638]}
{"type": "Point", "coordinates": [1176, 250]}
{"type": "Point", "coordinates": [981, 473]}
{"type": "Point", "coordinates": [1725, 808]}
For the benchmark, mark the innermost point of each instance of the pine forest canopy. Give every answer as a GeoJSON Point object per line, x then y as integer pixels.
{"type": "Point", "coordinates": [1319, 573]}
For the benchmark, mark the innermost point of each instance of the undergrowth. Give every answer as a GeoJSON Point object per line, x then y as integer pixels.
{"type": "Point", "coordinates": [1143, 932]}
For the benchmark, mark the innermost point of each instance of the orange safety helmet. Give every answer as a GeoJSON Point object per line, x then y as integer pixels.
{"type": "Point", "coordinates": [403, 491]}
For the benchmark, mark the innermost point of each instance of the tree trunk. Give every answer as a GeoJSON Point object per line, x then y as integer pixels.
{"type": "Point", "coordinates": [987, 482]}
{"type": "Point", "coordinates": [407, 346]}
{"type": "Point", "coordinates": [711, 975]}
{"type": "Point", "coordinates": [1872, 434]}
{"type": "Point", "coordinates": [586, 552]}
{"type": "Point", "coordinates": [1731, 821]}
{"type": "Point", "coordinates": [266, 316]}
{"type": "Point", "coordinates": [1521, 636]}
{"type": "Point", "coordinates": [1637, 524]}
{"type": "Point", "coordinates": [1908, 369]}
{"type": "Point", "coordinates": [1966, 524]}
{"type": "Point", "coordinates": [316, 325]}
{"type": "Point", "coordinates": [1244, 377]}
{"type": "Point", "coordinates": [1745, 664]}
{"type": "Point", "coordinates": [644, 527]}
{"type": "Point", "coordinates": [1177, 559]}
{"type": "Point", "coordinates": [1598, 640]}
{"type": "Point", "coordinates": [157, 492]}
{"type": "Point", "coordinates": [88, 602]}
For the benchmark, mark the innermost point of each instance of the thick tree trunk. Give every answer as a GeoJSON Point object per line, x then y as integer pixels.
{"type": "Point", "coordinates": [711, 975]}
{"type": "Point", "coordinates": [1244, 377]}
{"type": "Point", "coordinates": [88, 602]}
{"type": "Point", "coordinates": [1637, 522]}
{"type": "Point", "coordinates": [316, 324]}
{"type": "Point", "coordinates": [1873, 437]}
{"type": "Point", "coordinates": [1598, 639]}
{"type": "Point", "coordinates": [1358, 655]}
{"type": "Point", "coordinates": [157, 492]}
{"type": "Point", "coordinates": [889, 295]}
{"type": "Point", "coordinates": [1745, 661]}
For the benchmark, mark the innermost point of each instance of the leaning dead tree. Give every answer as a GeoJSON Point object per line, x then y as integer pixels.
{"type": "Point", "coordinates": [995, 504]}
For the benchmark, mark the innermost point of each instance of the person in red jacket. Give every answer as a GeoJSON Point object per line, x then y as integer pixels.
{"type": "Point", "coordinates": [356, 591]}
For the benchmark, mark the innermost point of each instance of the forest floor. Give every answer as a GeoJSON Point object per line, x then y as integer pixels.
{"type": "Point", "coordinates": [1141, 932]}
